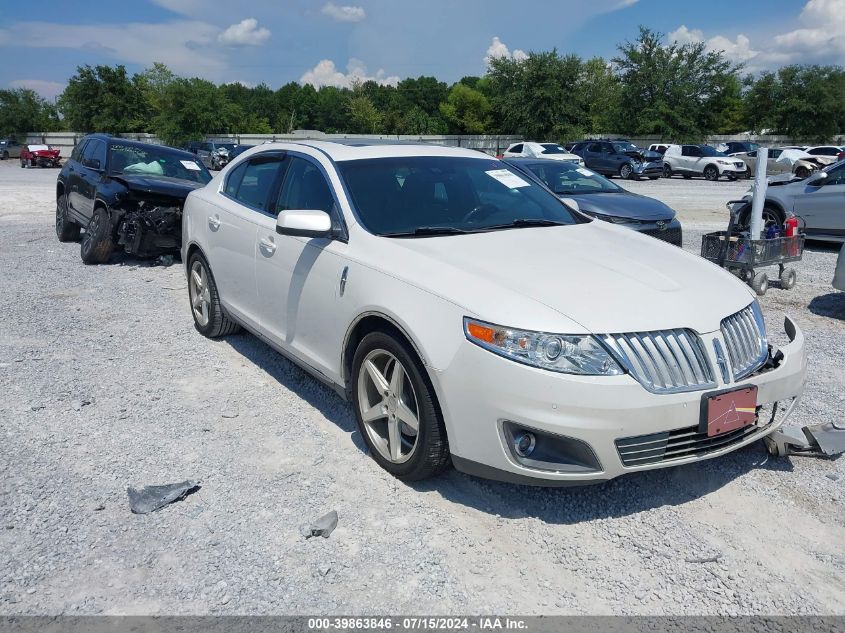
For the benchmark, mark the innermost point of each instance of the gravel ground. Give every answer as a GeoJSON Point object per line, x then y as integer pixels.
{"type": "Point", "coordinates": [104, 384]}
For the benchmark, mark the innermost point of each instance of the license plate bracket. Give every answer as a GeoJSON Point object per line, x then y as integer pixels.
{"type": "Point", "coordinates": [727, 410]}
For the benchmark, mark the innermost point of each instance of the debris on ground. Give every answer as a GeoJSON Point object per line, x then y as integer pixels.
{"type": "Point", "coordinates": [323, 526]}
{"type": "Point", "coordinates": [715, 558]}
{"type": "Point", "coordinates": [152, 498]}
{"type": "Point", "coordinates": [229, 414]}
{"type": "Point", "coordinates": [164, 260]}
{"type": "Point", "coordinates": [77, 405]}
{"type": "Point", "coordinates": [817, 440]}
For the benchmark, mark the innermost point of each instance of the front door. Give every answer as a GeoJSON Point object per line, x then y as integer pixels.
{"type": "Point", "coordinates": [823, 208]}
{"type": "Point", "coordinates": [298, 278]}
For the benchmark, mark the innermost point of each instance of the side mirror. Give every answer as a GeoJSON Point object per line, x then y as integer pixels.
{"type": "Point", "coordinates": [304, 223]}
{"type": "Point", "coordinates": [92, 163]}
{"type": "Point", "coordinates": [572, 204]}
{"type": "Point", "coordinates": [817, 179]}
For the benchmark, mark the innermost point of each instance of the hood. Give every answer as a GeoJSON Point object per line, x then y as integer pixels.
{"type": "Point", "coordinates": [644, 155]}
{"type": "Point", "coordinates": [591, 277]}
{"type": "Point", "coordinates": [158, 185]}
{"type": "Point", "coordinates": [569, 157]}
{"type": "Point", "coordinates": [623, 205]}
{"type": "Point", "coordinates": [52, 153]}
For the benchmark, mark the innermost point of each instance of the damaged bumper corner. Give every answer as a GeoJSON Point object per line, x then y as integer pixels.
{"type": "Point", "coordinates": [148, 228]}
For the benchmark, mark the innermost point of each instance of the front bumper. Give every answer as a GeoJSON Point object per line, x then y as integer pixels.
{"type": "Point", "coordinates": [480, 393]}
{"type": "Point", "coordinates": [649, 169]}
{"type": "Point", "coordinates": [733, 170]}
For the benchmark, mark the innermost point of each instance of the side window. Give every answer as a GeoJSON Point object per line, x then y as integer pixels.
{"type": "Point", "coordinates": [77, 151]}
{"type": "Point", "coordinates": [205, 147]}
{"type": "Point", "coordinates": [691, 150]}
{"type": "Point", "coordinates": [257, 181]}
{"type": "Point", "coordinates": [233, 180]}
{"type": "Point", "coordinates": [95, 150]}
{"type": "Point", "coordinates": [835, 176]}
{"type": "Point", "coordinates": [594, 147]}
{"type": "Point", "coordinates": [516, 149]}
{"type": "Point", "coordinates": [607, 148]}
{"type": "Point", "coordinates": [305, 188]}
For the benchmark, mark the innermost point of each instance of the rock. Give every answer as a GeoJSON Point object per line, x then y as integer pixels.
{"type": "Point", "coordinates": [324, 569]}
{"type": "Point", "coordinates": [832, 476]}
{"type": "Point", "coordinates": [323, 526]}
{"type": "Point", "coordinates": [229, 414]}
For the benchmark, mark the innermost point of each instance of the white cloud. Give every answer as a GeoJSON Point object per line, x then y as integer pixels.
{"type": "Point", "coordinates": [244, 33]}
{"type": "Point", "coordinates": [187, 47]}
{"type": "Point", "coordinates": [498, 49]}
{"type": "Point", "coordinates": [326, 74]}
{"type": "Point", "coordinates": [47, 89]}
{"type": "Point", "coordinates": [343, 13]}
{"type": "Point", "coordinates": [821, 39]}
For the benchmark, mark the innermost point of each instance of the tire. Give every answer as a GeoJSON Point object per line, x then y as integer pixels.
{"type": "Point", "coordinates": [802, 172]}
{"type": "Point", "coordinates": [97, 243]}
{"type": "Point", "coordinates": [760, 283]}
{"type": "Point", "coordinates": [788, 278]}
{"type": "Point", "coordinates": [210, 318]}
{"type": "Point", "coordinates": [653, 177]}
{"type": "Point", "coordinates": [626, 172]}
{"type": "Point", "coordinates": [711, 173]}
{"type": "Point", "coordinates": [426, 449]}
{"type": "Point", "coordinates": [23, 164]}
{"type": "Point", "coordinates": [748, 173]}
{"type": "Point", "coordinates": [771, 216]}
{"type": "Point", "coordinates": [5, 156]}
{"type": "Point", "coordinates": [667, 170]}
{"type": "Point", "coordinates": [66, 230]}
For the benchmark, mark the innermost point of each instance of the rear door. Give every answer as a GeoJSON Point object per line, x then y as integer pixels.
{"type": "Point", "coordinates": [593, 157]}
{"type": "Point", "coordinates": [823, 208]}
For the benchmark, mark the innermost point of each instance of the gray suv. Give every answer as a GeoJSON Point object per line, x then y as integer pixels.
{"type": "Point", "coordinates": [10, 149]}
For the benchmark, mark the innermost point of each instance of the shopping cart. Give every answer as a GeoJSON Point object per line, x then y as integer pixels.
{"type": "Point", "coordinates": [742, 255]}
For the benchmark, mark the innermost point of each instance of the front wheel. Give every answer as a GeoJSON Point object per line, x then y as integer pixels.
{"type": "Point", "coordinates": [802, 172]}
{"type": "Point", "coordinates": [626, 171]}
{"type": "Point", "coordinates": [396, 410]}
{"type": "Point", "coordinates": [97, 243]}
{"type": "Point", "coordinates": [4, 156]}
{"type": "Point", "coordinates": [711, 173]}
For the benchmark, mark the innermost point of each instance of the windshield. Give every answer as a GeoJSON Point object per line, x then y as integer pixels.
{"type": "Point", "coordinates": [552, 148]}
{"type": "Point", "coordinates": [404, 195]}
{"type": "Point", "coordinates": [706, 150]}
{"type": "Point", "coordinates": [227, 146]}
{"type": "Point", "coordinates": [569, 179]}
{"type": "Point", "coordinates": [625, 147]}
{"type": "Point", "coordinates": [156, 161]}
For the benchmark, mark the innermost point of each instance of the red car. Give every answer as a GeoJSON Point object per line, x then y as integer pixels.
{"type": "Point", "coordinates": [39, 156]}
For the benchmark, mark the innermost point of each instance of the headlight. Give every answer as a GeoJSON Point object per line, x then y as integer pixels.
{"type": "Point", "coordinates": [611, 218]}
{"type": "Point", "coordinates": [723, 162]}
{"type": "Point", "coordinates": [565, 353]}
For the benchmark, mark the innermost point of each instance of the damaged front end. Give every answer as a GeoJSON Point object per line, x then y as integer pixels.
{"type": "Point", "coordinates": [149, 227]}
{"type": "Point", "coordinates": [645, 162]}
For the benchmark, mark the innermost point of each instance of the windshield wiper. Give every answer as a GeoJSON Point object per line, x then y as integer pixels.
{"type": "Point", "coordinates": [522, 223]}
{"type": "Point", "coordinates": [429, 230]}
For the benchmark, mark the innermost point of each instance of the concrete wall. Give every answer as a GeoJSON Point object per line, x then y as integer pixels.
{"type": "Point", "coordinates": [492, 144]}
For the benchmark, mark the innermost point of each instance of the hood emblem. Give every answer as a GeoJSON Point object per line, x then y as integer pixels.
{"type": "Point", "coordinates": [661, 224]}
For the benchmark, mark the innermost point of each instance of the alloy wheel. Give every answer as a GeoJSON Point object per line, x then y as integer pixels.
{"type": "Point", "coordinates": [92, 230]}
{"type": "Point", "coordinates": [200, 293]}
{"type": "Point", "coordinates": [625, 171]}
{"type": "Point", "coordinates": [61, 214]}
{"type": "Point", "coordinates": [388, 406]}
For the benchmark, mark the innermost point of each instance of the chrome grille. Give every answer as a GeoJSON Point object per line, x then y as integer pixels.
{"type": "Point", "coordinates": [669, 445]}
{"type": "Point", "coordinates": [745, 338]}
{"type": "Point", "coordinates": [666, 361]}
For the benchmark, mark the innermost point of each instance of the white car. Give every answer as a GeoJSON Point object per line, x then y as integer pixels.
{"type": "Point", "coordinates": [473, 318]}
{"type": "Point", "coordinates": [552, 151]}
{"type": "Point", "coordinates": [701, 160]}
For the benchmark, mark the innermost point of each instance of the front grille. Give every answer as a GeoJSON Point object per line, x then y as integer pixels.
{"type": "Point", "coordinates": [673, 236]}
{"type": "Point", "coordinates": [745, 338]}
{"type": "Point", "coordinates": [667, 361]}
{"type": "Point", "coordinates": [669, 445]}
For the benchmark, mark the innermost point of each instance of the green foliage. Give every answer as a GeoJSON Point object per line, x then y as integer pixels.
{"type": "Point", "coordinates": [23, 110]}
{"type": "Point", "coordinates": [105, 99]}
{"type": "Point", "coordinates": [671, 90]}
{"type": "Point", "coordinates": [364, 117]}
{"type": "Point", "coordinates": [466, 110]}
{"type": "Point", "coordinates": [191, 108]}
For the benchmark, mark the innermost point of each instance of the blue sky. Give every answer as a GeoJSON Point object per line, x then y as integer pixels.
{"type": "Point", "coordinates": [332, 43]}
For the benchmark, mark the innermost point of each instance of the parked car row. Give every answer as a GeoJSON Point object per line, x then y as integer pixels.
{"type": "Point", "coordinates": [433, 287]}
{"type": "Point", "coordinates": [798, 160]}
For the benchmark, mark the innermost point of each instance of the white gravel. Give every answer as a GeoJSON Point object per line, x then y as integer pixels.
{"type": "Point", "coordinates": [104, 384]}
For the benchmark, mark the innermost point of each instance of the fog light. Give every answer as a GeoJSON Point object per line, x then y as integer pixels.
{"type": "Point", "coordinates": [524, 443]}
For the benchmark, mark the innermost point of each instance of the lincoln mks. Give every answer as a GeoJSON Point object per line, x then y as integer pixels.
{"type": "Point", "coordinates": [473, 318]}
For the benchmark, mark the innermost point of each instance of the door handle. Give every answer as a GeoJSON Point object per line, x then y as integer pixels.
{"type": "Point", "coordinates": [267, 245]}
{"type": "Point", "coordinates": [214, 222]}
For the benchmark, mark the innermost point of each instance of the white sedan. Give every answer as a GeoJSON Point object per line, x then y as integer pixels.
{"type": "Point", "coordinates": [551, 151]}
{"type": "Point", "coordinates": [474, 319]}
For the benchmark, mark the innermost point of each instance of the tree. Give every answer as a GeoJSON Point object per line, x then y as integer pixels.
{"type": "Point", "coordinates": [671, 90]}
{"type": "Point", "coordinates": [599, 90]}
{"type": "Point", "coordinates": [22, 110]}
{"type": "Point", "coordinates": [537, 96]}
{"type": "Point", "coordinates": [363, 115]}
{"type": "Point", "coordinates": [466, 110]}
{"type": "Point", "coordinates": [105, 99]}
{"type": "Point", "coordinates": [192, 108]}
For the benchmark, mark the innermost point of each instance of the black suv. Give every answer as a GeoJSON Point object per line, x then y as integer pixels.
{"type": "Point", "coordinates": [125, 193]}
{"type": "Point", "coordinates": [619, 158]}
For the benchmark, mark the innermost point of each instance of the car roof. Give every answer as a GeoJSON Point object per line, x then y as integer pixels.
{"type": "Point", "coordinates": [359, 149]}
{"type": "Point", "coordinates": [140, 144]}
{"type": "Point", "coordinates": [545, 162]}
